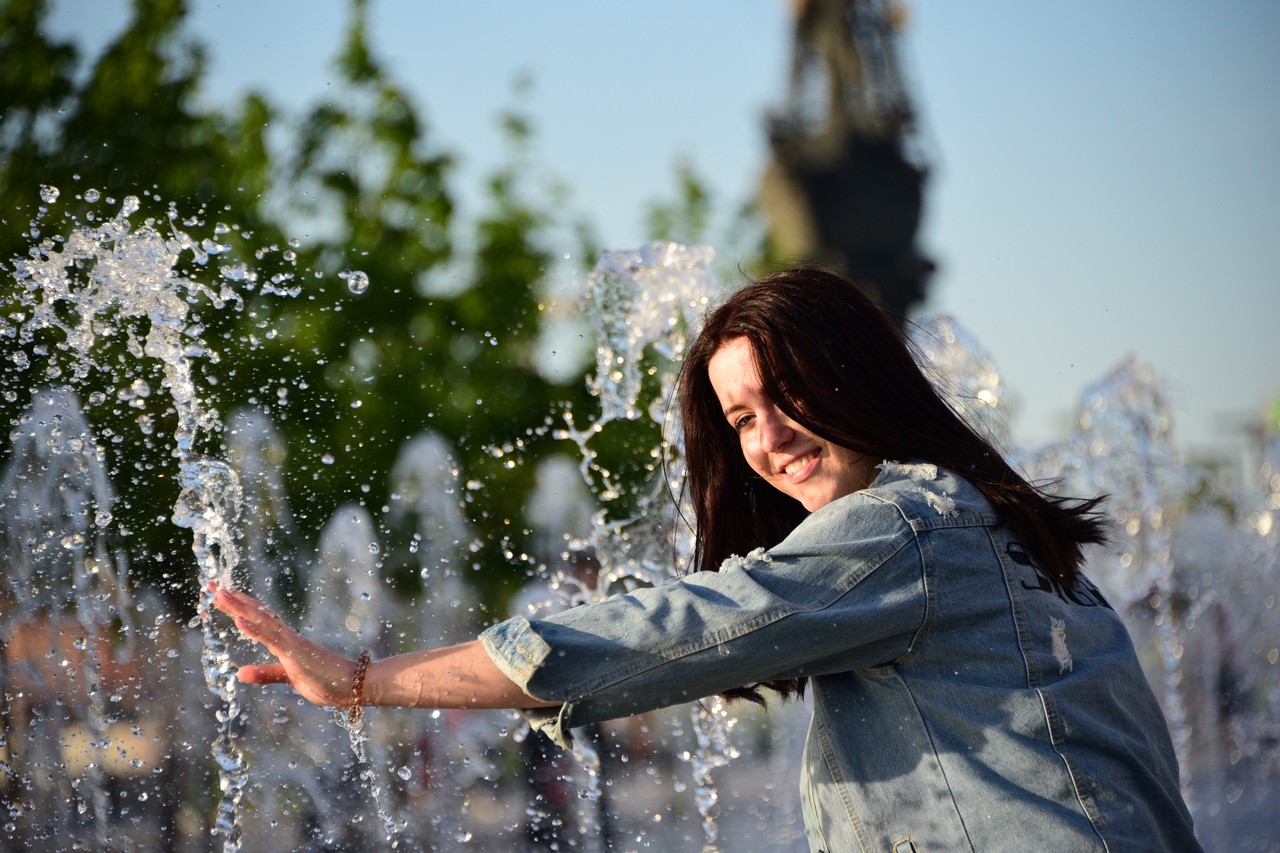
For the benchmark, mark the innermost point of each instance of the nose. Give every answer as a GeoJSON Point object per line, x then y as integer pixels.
{"type": "Point", "coordinates": [776, 429]}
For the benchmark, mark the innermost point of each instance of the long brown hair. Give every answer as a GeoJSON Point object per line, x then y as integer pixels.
{"type": "Point", "coordinates": [833, 361]}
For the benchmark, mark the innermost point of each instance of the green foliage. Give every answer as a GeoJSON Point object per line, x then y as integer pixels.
{"type": "Point", "coordinates": [686, 219]}
{"type": "Point", "coordinates": [127, 126]}
{"type": "Point", "coordinates": [35, 74]}
{"type": "Point", "coordinates": [440, 339]}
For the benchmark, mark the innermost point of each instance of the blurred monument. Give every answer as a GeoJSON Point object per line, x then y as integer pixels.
{"type": "Point", "coordinates": [842, 189]}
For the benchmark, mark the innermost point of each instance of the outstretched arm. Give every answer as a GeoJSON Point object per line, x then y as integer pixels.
{"type": "Point", "coordinates": [461, 676]}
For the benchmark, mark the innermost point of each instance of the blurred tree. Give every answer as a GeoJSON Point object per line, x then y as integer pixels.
{"type": "Point", "coordinates": [743, 247]}
{"type": "Point", "coordinates": [401, 334]}
{"type": "Point", "coordinates": [391, 317]}
{"type": "Point", "coordinates": [390, 330]}
{"type": "Point", "coordinates": [686, 219]}
{"type": "Point", "coordinates": [128, 126]}
{"type": "Point", "coordinates": [35, 80]}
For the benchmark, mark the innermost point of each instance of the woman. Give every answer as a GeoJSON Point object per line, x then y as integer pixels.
{"type": "Point", "coordinates": [971, 688]}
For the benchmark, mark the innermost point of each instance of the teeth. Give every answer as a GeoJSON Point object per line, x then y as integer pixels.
{"type": "Point", "coordinates": [797, 465]}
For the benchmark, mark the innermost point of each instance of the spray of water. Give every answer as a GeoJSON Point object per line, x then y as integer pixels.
{"type": "Point", "coordinates": [1195, 580]}
{"type": "Point", "coordinates": [117, 278]}
{"type": "Point", "coordinates": [60, 564]}
{"type": "Point", "coordinates": [644, 308]}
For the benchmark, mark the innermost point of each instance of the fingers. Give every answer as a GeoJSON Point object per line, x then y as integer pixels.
{"type": "Point", "coordinates": [254, 619]}
{"type": "Point", "coordinates": [267, 673]}
{"type": "Point", "coordinates": [236, 604]}
{"type": "Point", "coordinates": [255, 622]}
{"type": "Point", "coordinates": [255, 631]}
{"type": "Point", "coordinates": [315, 673]}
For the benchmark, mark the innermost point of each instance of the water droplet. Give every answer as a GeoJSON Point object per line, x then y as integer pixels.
{"type": "Point", "coordinates": [357, 281]}
{"type": "Point", "coordinates": [92, 196]}
{"type": "Point", "coordinates": [48, 194]}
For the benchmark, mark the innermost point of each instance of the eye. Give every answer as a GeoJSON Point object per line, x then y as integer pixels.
{"type": "Point", "coordinates": [742, 422]}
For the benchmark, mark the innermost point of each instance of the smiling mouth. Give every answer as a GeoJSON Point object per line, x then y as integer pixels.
{"type": "Point", "coordinates": [797, 465]}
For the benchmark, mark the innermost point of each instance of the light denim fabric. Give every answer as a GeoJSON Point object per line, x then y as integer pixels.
{"type": "Point", "coordinates": [963, 700]}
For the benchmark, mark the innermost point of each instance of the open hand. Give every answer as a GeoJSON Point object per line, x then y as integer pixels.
{"type": "Point", "coordinates": [317, 674]}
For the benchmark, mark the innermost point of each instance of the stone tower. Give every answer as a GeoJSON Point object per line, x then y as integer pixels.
{"type": "Point", "coordinates": [842, 189]}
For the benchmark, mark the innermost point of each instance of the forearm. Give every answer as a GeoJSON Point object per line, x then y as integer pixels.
{"type": "Point", "coordinates": [461, 676]}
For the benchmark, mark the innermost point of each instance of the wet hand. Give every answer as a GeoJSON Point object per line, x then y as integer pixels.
{"type": "Point", "coordinates": [317, 674]}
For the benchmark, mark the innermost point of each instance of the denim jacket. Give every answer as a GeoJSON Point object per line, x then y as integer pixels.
{"type": "Point", "coordinates": [963, 699]}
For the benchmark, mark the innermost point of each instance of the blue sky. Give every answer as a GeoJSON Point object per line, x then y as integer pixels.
{"type": "Point", "coordinates": [1105, 177]}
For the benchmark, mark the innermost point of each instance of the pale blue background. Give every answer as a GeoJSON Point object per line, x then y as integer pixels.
{"type": "Point", "coordinates": [1105, 175]}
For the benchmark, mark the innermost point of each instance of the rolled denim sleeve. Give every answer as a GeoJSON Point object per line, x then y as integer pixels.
{"type": "Point", "coordinates": [846, 590]}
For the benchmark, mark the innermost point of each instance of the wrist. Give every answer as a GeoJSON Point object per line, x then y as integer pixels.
{"type": "Point", "coordinates": [355, 707]}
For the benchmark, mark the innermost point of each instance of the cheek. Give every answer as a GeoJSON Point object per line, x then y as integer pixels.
{"type": "Point", "coordinates": [752, 455]}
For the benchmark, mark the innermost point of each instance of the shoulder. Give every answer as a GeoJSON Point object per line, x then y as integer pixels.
{"type": "Point", "coordinates": [881, 524]}
{"type": "Point", "coordinates": [911, 496]}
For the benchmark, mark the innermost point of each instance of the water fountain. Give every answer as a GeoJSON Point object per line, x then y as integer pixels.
{"type": "Point", "coordinates": [63, 569]}
{"type": "Point", "coordinates": [105, 280]}
{"type": "Point", "coordinates": [90, 754]}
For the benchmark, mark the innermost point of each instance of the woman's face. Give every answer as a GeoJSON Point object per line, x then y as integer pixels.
{"type": "Point", "coordinates": [789, 457]}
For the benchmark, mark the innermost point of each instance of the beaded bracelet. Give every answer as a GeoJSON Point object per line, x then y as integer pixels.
{"type": "Point", "coordinates": [355, 714]}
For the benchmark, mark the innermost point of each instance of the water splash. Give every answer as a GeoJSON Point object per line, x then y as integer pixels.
{"type": "Point", "coordinates": [639, 303]}
{"type": "Point", "coordinates": [966, 374]}
{"type": "Point", "coordinates": [642, 299]}
{"type": "Point", "coordinates": [439, 759]}
{"type": "Point", "coordinates": [644, 307]}
{"type": "Point", "coordinates": [346, 603]}
{"type": "Point", "coordinates": [1195, 577]}
{"type": "Point", "coordinates": [712, 726]}
{"type": "Point", "coordinates": [115, 279]}
{"type": "Point", "coordinates": [272, 549]}
{"type": "Point", "coordinates": [209, 505]}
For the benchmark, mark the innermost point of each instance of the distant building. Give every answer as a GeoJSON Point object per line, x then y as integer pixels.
{"type": "Point", "coordinates": [841, 189]}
